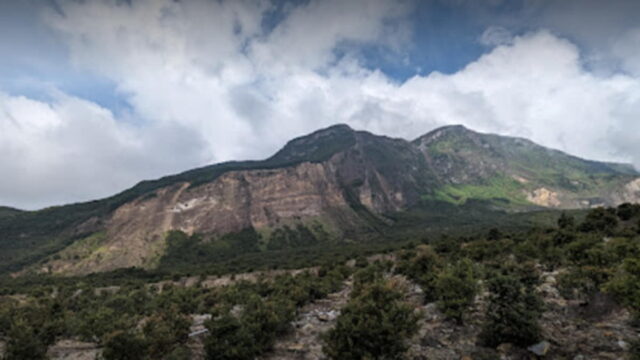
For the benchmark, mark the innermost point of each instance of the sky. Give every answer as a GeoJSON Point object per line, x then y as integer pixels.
{"type": "Point", "coordinates": [96, 96]}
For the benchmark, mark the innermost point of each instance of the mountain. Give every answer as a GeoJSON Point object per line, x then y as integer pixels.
{"type": "Point", "coordinates": [333, 186]}
{"type": "Point", "coordinates": [474, 165]}
{"type": "Point", "coordinates": [7, 211]}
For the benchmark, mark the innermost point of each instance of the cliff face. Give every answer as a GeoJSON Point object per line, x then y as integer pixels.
{"type": "Point", "coordinates": [342, 180]}
{"type": "Point", "coordinates": [331, 191]}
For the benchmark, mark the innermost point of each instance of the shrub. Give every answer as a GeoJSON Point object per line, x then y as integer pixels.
{"type": "Point", "coordinates": [600, 219]}
{"type": "Point", "coordinates": [512, 314]}
{"type": "Point", "coordinates": [97, 323]}
{"type": "Point", "coordinates": [581, 281]}
{"type": "Point", "coordinates": [374, 325]}
{"type": "Point", "coordinates": [423, 269]}
{"type": "Point", "coordinates": [250, 334]}
{"type": "Point", "coordinates": [456, 288]}
{"type": "Point", "coordinates": [124, 345]}
{"type": "Point", "coordinates": [229, 340]}
{"type": "Point", "coordinates": [625, 285]}
{"type": "Point", "coordinates": [24, 343]}
{"type": "Point", "coordinates": [627, 211]}
{"type": "Point", "coordinates": [165, 331]}
{"type": "Point", "coordinates": [566, 222]}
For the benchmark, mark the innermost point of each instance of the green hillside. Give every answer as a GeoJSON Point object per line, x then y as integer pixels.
{"type": "Point", "coordinates": [442, 170]}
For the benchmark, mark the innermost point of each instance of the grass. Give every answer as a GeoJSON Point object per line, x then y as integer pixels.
{"type": "Point", "coordinates": [500, 188]}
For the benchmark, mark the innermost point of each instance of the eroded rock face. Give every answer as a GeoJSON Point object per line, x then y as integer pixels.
{"type": "Point", "coordinates": [302, 183]}
{"type": "Point", "coordinates": [629, 193]}
{"type": "Point", "coordinates": [237, 200]}
{"type": "Point", "coordinates": [544, 197]}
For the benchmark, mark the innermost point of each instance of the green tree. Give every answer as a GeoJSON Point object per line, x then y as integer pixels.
{"type": "Point", "coordinates": [97, 323]}
{"type": "Point", "coordinates": [513, 313]}
{"type": "Point", "coordinates": [600, 220]}
{"type": "Point", "coordinates": [456, 288]}
{"type": "Point", "coordinates": [124, 345]}
{"type": "Point", "coordinates": [625, 285]}
{"type": "Point", "coordinates": [627, 211]}
{"type": "Point", "coordinates": [24, 343]}
{"type": "Point", "coordinates": [250, 333]}
{"type": "Point", "coordinates": [229, 340]}
{"type": "Point", "coordinates": [165, 331]}
{"type": "Point", "coordinates": [374, 325]}
{"type": "Point", "coordinates": [566, 221]}
{"type": "Point", "coordinates": [423, 269]}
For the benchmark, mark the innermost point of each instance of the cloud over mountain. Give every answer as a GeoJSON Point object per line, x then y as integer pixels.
{"type": "Point", "coordinates": [209, 81]}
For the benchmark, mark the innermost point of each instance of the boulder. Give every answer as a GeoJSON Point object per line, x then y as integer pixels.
{"type": "Point", "coordinates": [541, 348]}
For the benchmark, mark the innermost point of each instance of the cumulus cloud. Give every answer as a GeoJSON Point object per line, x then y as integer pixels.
{"type": "Point", "coordinates": [209, 81]}
{"type": "Point", "coordinates": [496, 35]}
{"type": "Point", "coordinates": [72, 149]}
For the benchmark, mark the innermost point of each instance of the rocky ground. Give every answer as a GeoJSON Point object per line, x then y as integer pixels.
{"type": "Point", "coordinates": [594, 328]}
{"type": "Point", "coordinates": [197, 334]}
{"type": "Point", "coordinates": [73, 350]}
{"type": "Point", "coordinates": [314, 319]}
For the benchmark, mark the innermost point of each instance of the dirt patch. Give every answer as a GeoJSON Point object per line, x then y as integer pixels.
{"type": "Point", "coordinates": [544, 197]}
{"type": "Point", "coordinates": [73, 350]}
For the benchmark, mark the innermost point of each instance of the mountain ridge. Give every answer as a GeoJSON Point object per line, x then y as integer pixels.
{"type": "Point", "coordinates": [333, 184]}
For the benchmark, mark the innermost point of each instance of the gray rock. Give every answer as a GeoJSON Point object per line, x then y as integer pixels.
{"type": "Point", "coordinates": [541, 348]}
{"type": "Point", "coordinates": [623, 344]}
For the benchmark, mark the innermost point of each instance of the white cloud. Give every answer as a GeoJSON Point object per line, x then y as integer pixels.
{"type": "Point", "coordinates": [496, 35]}
{"type": "Point", "coordinates": [71, 149]}
{"type": "Point", "coordinates": [206, 82]}
{"type": "Point", "coordinates": [309, 35]}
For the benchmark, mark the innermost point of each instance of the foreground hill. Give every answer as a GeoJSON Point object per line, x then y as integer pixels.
{"type": "Point", "coordinates": [333, 186]}
{"type": "Point", "coordinates": [564, 291]}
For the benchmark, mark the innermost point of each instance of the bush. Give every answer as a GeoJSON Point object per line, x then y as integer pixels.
{"type": "Point", "coordinates": [374, 325]}
{"type": "Point", "coordinates": [627, 211]}
{"type": "Point", "coordinates": [96, 324]}
{"type": "Point", "coordinates": [456, 288]}
{"type": "Point", "coordinates": [423, 269]}
{"type": "Point", "coordinates": [124, 345]}
{"type": "Point", "coordinates": [625, 285]}
{"type": "Point", "coordinates": [229, 340]}
{"type": "Point", "coordinates": [580, 282]}
{"type": "Point", "coordinates": [513, 313]}
{"type": "Point", "coordinates": [600, 220]}
{"type": "Point", "coordinates": [24, 344]}
{"type": "Point", "coordinates": [251, 333]}
{"type": "Point", "coordinates": [164, 332]}
{"type": "Point", "coordinates": [566, 222]}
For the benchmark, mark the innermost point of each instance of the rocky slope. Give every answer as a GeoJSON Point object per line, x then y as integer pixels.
{"type": "Point", "coordinates": [335, 180]}
{"type": "Point", "coordinates": [474, 165]}
{"type": "Point", "coordinates": [593, 328]}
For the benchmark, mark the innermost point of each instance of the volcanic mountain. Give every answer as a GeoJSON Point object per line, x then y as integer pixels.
{"type": "Point", "coordinates": [330, 185]}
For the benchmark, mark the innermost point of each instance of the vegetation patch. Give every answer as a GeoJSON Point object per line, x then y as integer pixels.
{"type": "Point", "coordinates": [493, 189]}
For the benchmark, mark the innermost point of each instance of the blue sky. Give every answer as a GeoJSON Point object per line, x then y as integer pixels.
{"type": "Point", "coordinates": [97, 95]}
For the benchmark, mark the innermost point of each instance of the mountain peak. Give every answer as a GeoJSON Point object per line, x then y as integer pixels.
{"type": "Point", "coordinates": [317, 146]}
{"type": "Point", "coordinates": [448, 130]}
{"type": "Point", "coordinates": [453, 128]}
